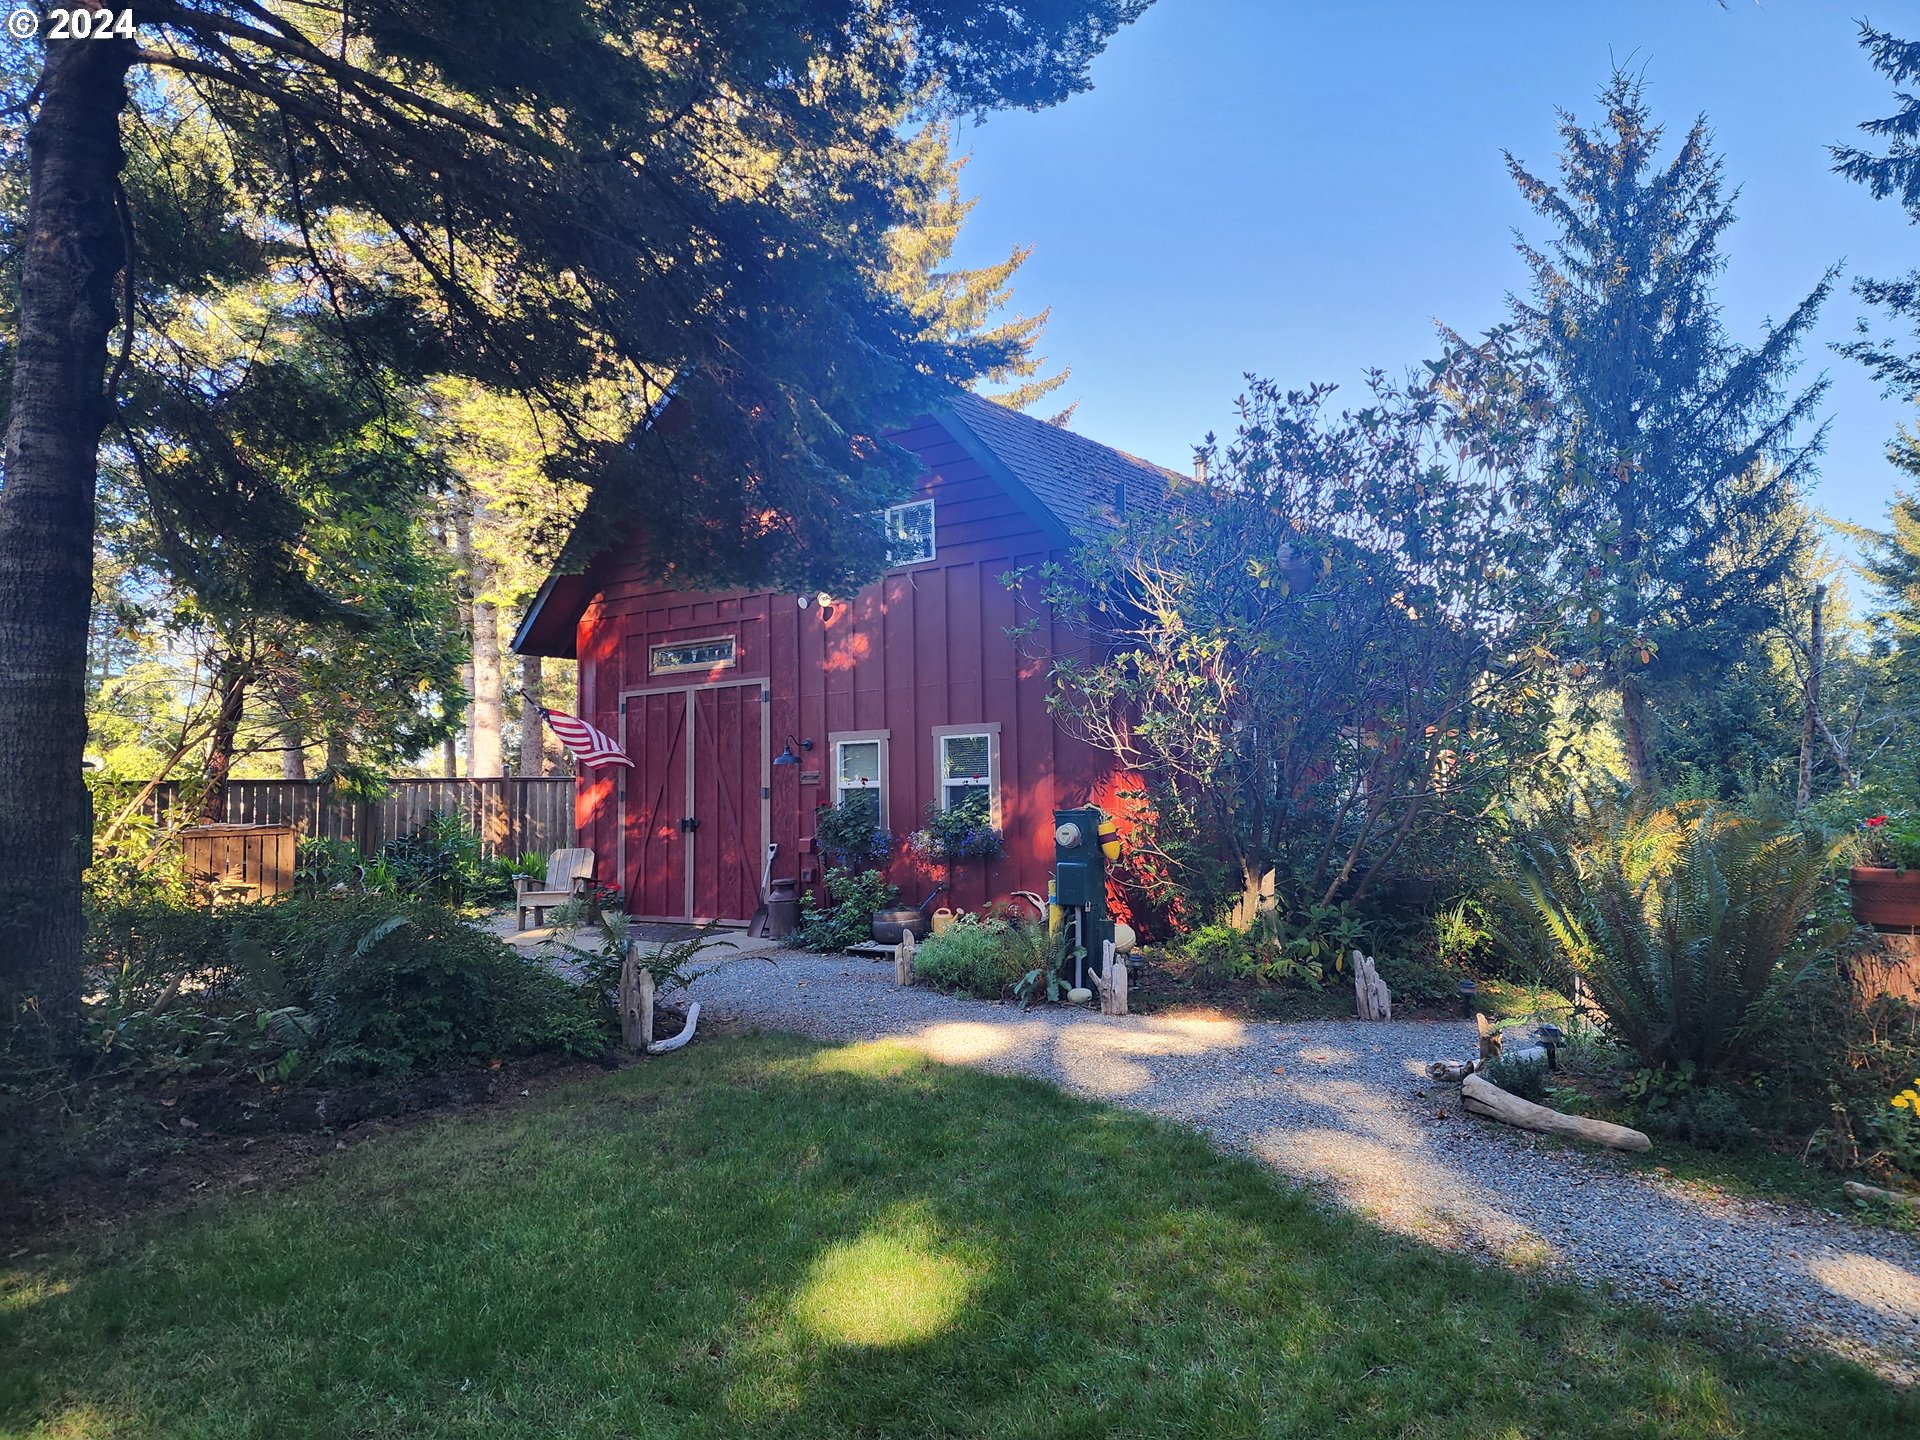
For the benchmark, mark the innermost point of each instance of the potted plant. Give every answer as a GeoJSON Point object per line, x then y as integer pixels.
{"type": "Point", "coordinates": [848, 838]}
{"type": "Point", "coordinates": [1885, 886]}
{"type": "Point", "coordinates": [853, 843]}
{"type": "Point", "coordinates": [955, 835]}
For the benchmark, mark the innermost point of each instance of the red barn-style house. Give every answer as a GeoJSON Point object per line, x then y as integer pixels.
{"type": "Point", "coordinates": [912, 689]}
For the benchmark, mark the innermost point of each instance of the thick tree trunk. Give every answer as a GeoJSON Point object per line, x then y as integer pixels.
{"type": "Point", "coordinates": [230, 683]}
{"type": "Point", "coordinates": [449, 759]}
{"type": "Point", "coordinates": [1633, 734]}
{"type": "Point", "coordinates": [1810, 716]}
{"type": "Point", "coordinates": [487, 699]}
{"type": "Point", "coordinates": [533, 731]}
{"type": "Point", "coordinates": [336, 758]}
{"type": "Point", "coordinates": [293, 753]}
{"type": "Point", "coordinates": [71, 252]}
{"type": "Point", "coordinates": [477, 723]}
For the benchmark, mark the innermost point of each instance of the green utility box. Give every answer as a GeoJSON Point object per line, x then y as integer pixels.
{"type": "Point", "coordinates": [1080, 886]}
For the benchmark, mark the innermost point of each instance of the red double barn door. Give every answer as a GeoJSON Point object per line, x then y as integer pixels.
{"type": "Point", "coordinates": [695, 805]}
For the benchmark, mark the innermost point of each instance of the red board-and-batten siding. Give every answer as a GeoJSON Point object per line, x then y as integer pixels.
{"type": "Point", "coordinates": [924, 647]}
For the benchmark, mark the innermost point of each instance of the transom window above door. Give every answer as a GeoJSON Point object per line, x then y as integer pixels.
{"type": "Point", "coordinates": [715, 652]}
{"type": "Point", "coordinates": [909, 533]}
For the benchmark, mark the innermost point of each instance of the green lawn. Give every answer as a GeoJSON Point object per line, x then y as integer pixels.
{"type": "Point", "coordinates": [761, 1237]}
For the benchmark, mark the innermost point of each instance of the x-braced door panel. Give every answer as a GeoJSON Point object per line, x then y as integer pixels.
{"type": "Point", "coordinates": [659, 840]}
{"type": "Point", "coordinates": [729, 752]}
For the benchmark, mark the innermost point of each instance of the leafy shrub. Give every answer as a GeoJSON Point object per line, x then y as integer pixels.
{"type": "Point", "coordinates": [441, 860]}
{"type": "Point", "coordinates": [1214, 951]}
{"type": "Point", "coordinates": [856, 896]}
{"type": "Point", "coordinates": [1895, 1137]}
{"type": "Point", "coordinates": [848, 838]}
{"type": "Point", "coordinates": [1834, 1064]}
{"type": "Point", "coordinates": [1710, 1118]}
{"type": "Point", "coordinates": [1689, 924]}
{"type": "Point", "coordinates": [1278, 949]}
{"type": "Point", "coordinates": [337, 986]}
{"type": "Point", "coordinates": [322, 864]}
{"type": "Point", "coordinates": [980, 956]}
{"type": "Point", "coordinates": [1524, 1078]}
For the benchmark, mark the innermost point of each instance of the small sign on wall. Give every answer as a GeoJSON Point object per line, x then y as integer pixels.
{"type": "Point", "coordinates": [809, 777]}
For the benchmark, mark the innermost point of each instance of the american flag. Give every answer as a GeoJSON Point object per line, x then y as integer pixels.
{"type": "Point", "coordinates": [587, 745]}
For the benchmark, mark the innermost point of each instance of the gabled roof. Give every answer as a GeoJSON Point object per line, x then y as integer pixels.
{"type": "Point", "coordinates": [1081, 483]}
{"type": "Point", "coordinates": [1074, 486]}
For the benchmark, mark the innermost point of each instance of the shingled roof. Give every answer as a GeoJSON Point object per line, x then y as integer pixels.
{"type": "Point", "coordinates": [1080, 482]}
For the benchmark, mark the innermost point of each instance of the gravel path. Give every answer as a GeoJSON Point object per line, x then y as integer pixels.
{"type": "Point", "coordinates": [1347, 1108]}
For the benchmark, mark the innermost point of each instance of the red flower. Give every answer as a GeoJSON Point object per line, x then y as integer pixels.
{"type": "Point", "coordinates": [1874, 822]}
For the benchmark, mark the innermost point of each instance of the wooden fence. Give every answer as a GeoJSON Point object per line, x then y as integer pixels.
{"type": "Point", "coordinates": [513, 815]}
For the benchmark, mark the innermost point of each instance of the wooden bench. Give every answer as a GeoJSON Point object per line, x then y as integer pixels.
{"type": "Point", "coordinates": [569, 878]}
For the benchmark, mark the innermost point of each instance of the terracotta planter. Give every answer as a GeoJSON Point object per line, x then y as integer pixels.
{"type": "Point", "coordinates": [1885, 899]}
{"type": "Point", "coordinates": [890, 925]}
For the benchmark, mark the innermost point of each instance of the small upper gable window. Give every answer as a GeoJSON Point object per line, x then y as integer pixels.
{"type": "Point", "coordinates": [909, 533]}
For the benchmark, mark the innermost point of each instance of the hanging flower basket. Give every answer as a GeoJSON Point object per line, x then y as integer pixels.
{"type": "Point", "coordinates": [1885, 898]}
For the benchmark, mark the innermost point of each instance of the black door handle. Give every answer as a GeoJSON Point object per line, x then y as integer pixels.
{"type": "Point", "coordinates": [692, 822]}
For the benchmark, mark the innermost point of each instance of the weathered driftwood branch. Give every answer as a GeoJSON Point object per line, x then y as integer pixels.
{"type": "Point", "coordinates": [1874, 1192]}
{"type": "Point", "coordinates": [636, 1010]}
{"type": "Point", "coordinates": [903, 960]}
{"type": "Point", "coordinates": [1451, 1070]}
{"type": "Point", "coordinates": [636, 1003]}
{"type": "Point", "coordinates": [1112, 983]}
{"type": "Point", "coordinates": [1481, 1096]}
{"type": "Point", "coordinates": [1370, 993]}
{"type": "Point", "coordinates": [661, 1047]}
{"type": "Point", "coordinates": [1490, 1038]}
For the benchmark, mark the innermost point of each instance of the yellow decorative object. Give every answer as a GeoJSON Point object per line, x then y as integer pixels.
{"type": "Point", "coordinates": [942, 918]}
{"type": "Point", "coordinates": [1109, 840]}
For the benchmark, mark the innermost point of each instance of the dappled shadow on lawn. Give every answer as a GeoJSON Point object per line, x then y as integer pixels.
{"type": "Point", "coordinates": [760, 1237]}
{"type": "Point", "coordinates": [1373, 1133]}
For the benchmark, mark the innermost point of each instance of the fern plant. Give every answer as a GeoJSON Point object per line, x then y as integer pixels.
{"type": "Point", "coordinates": [1688, 924]}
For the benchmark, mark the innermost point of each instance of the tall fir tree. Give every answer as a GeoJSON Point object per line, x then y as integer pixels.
{"type": "Point", "coordinates": [701, 191]}
{"type": "Point", "coordinates": [1891, 172]}
{"type": "Point", "coordinates": [955, 304]}
{"type": "Point", "coordinates": [1677, 450]}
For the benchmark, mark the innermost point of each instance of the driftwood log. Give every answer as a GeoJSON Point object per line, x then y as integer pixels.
{"type": "Point", "coordinates": [1490, 1038]}
{"type": "Point", "coordinates": [636, 1003]}
{"type": "Point", "coordinates": [636, 1010]}
{"type": "Point", "coordinates": [1112, 982]}
{"type": "Point", "coordinates": [1874, 1192]}
{"type": "Point", "coordinates": [1370, 992]}
{"type": "Point", "coordinates": [1451, 1070]}
{"type": "Point", "coordinates": [1480, 1096]}
{"type": "Point", "coordinates": [903, 959]}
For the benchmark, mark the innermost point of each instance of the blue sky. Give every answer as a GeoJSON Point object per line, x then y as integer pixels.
{"type": "Point", "coordinates": [1302, 189]}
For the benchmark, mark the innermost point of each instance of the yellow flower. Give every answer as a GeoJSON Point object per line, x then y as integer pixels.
{"type": "Point", "coordinates": [1904, 1100]}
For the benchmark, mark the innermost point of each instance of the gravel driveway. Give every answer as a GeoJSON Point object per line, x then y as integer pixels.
{"type": "Point", "coordinates": [1346, 1107]}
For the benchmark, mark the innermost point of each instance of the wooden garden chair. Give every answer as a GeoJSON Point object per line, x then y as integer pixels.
{"type": "Point", "coordinates": [569, 878]}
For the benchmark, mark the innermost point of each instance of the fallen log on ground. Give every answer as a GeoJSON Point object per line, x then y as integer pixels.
{"type": "Point", "coordinates": [1874, 1192]}
{"type": "Point", "coordinates": [1480, 1096]}
{"type": "Point", "coordinates": [1453, 1070]}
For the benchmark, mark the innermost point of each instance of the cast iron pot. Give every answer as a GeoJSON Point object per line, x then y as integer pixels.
{"type": "Point", "coordinates": [890, 925]}
{"type": "Point", "coordinates": [1884, 898]}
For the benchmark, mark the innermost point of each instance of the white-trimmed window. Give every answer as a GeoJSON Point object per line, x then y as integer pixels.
{"type": "Point", "coordinates": [860, 771]}
{"type": "Point", "coordinates": [966, 761]}
{"type": "Point", "coordinates": [712, 652]}
{"type": "Point", "coordinates": [909, 530]}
